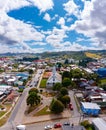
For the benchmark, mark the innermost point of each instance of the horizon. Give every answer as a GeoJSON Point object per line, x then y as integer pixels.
{"type": "Point", "coordinates": [30, 26]}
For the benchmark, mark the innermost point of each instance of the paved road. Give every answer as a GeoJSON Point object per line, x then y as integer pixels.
{"type": "Point", "coordinates": [17, 107]}
{"type": "Point", "coordinates": [75, 112]}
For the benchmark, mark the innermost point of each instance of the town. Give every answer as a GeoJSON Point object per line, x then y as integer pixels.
{"type": "Point", "coordinates": [55, 91]}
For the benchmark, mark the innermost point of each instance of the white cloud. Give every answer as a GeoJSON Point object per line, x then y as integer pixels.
{"type": "Point", "coordinates": [56, 36]}
{"type": "Point", "coordinates": [71, 8]}
{"type": "Point", "coordinates": [61, 21]}
{"type": "Point", "coordinates": [15, 32]}
{"type": "Point", "coordinates": [42, 5]}
{"type": "Point", "coordinates": [47, 17]}
{"type": "Point", "coordinates": [93, 23]}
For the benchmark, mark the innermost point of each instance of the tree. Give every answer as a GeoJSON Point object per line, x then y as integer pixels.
{"type": "Point", "coordinates": [24, 82]}
{"type": "Point", "coordinates": [64, 91]}
{"type": "Point", "coordinates": [66, 82]}
{"type": "Point", "coordinates": [66, 61]}
{"type": "Point", "coordinates": [57, 86]}
{"type": "Point", "coordinates": [76, 73]}
{"type": "Point", "coordinates": [31, 71]}
{"type": "Point", "coordinates": [56, 106]}
{"type": "Point", "coordinates": [33, 99]}
{"type": "Point", "coordinates": [66, 74]}
{"type": "Point", "coordinates": [65, 100]}
{"type": "Point", "coordinates": [33, 90]}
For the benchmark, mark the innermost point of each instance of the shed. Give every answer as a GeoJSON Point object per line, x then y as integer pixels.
{"type": "Point", "coordinates": [90, 108]}
{"type": "Point", "coordinates": [99, 124]}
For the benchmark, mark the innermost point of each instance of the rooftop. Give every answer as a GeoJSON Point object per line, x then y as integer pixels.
{"type": "Point", "coordinates": [89, 105]}
{"type": "Point", "coordinates": [99, 123]}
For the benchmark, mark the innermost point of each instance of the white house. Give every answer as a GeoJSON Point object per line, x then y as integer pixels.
{"type": "Point", "coordinates": [54, 78]}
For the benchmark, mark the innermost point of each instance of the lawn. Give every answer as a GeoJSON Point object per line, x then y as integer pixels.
{"type": "Point", "coordinates": [43, 83]}
{"type": "Point", "coordinates": [44, 111]}
{"type": "Point", "coordinates": [103, 81]}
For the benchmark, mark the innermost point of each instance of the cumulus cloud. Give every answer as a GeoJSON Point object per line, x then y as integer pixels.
{"type": "Point", "coordinates": [56, 36]}
{"type": "Point", "coordinates": [61, 21]}
{"type": "Point", "coordinates": [93, 23]}
{"type": "Point", "coordinates": [71, 8]}
{"type": "Point", "coordinates": [16, 32]}
{"type": "Point", "coordinates": [47, 17]}
{"type": "Point", "coordinates": [42, 5]}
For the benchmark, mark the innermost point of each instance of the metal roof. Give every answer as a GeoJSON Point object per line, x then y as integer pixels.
{"type": "Point", "coordinates": [99, 123]}
{"type": "Point", "coordinates": [89, 105]}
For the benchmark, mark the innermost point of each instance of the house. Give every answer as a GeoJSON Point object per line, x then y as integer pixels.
{"type": "Point", "coordinates": [54, 78]}
{"type": "Point", "coordinates": [99, 124]}
{"type": "Point", "coordinates": [90, 108]}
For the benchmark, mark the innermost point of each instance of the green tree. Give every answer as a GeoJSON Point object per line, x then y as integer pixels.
{"type": "Point", "coordinates": [77, 73]}
{"type": "Point", "coordinates": [66, 82]}
{"type": "Point", "coordinates": [57, 86]}
{"type": "Point", "coordinates": [56, 106]}
{"type": "Point", "coordinates": [63, 91]}
{"type": "Point", "coordinates": [24, 82]}
{"type": "Point", "coordinates": [31, 71]}
{"type": "Point", "coordinates": [33, 99]}
{"type": "Point", "coordinates": [65, 100]}
{"type": "Point", "coordinates": [66, 74]}
{"type": "Point", "coordinates": [33, 90]}
{"type": "Point", "coordinates": [66, 61]}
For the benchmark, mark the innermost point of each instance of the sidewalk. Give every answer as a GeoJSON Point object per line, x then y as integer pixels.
{"type": "Point", "coordinates": [32, 119]}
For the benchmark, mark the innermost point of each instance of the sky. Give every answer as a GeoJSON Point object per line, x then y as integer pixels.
{"type": "Point", "coordinates": [37, 26]}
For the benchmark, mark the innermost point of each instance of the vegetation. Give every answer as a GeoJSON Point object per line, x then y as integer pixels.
{"type": "Point", "coordinates": [65, 100]}
{"type": "Point", "coordinates": [87, 125]}
{"type": "Point", "coordinates": [66, 74]}
{"type": "Point", "coordinates": [44, 111]}
{"type": "Point", "coordinates": [92, 55]}
{"type": "Point", "coordinates": [43, 83]}
{"type": "Point", "coordinates": [33, 90]}
{"type": "Point", "coordinates": [33, 99]}
{"type": "Point", "coordinates": [66, 82]}
{"type": "Point", "coordinates": [56, 106]}
{"type": "Point", "coordinates": [31, 71]}
{"type": "Point", "coordinates": [57, 87]}
{"type": "Point", "coordinates": [63, 91]}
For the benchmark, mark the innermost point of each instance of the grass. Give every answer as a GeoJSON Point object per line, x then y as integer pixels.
{"type": "Point", "coordinates": [1, 106]}
{"type": "Point", "coordinates": [43, 83]}
{"type": "Point", "coordinates": [92, 55]}
{"type": "Point", "coordinates": [2, 113]}
{"type": "Point", "coordinates": [103, 81]}
{"type": "Point", "coordinates": [32, 108]}
{"type": "Point", "coordinates": [44, 111]}
{"type": "Point", "coordinates": [3, 121]}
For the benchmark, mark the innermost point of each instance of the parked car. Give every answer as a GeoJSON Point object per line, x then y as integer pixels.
{"type": "Point", "coordinates": [48, 127]}
{"type": "Point", "coordinates": [70, 106]}
{"type": "Point", "coordinates": [57, 125]}
{"type": "Point", "coordinates": [66, 123]}
{"type": "Point", "coordinates": [20, 127]}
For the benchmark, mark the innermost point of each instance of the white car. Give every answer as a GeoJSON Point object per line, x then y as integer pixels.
{"type": "Point", "coordinates": [20, 127]}
{"type": "Point", "coordinates": [48, 127]}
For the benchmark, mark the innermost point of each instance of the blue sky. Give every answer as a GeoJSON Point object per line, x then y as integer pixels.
{"type": "Point", "coordinates": [37, 26]}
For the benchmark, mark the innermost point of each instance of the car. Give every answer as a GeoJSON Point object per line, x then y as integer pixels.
{"type": "Point", "coordinates": [70, 106]}
{"type": "Point", "coordinates": [48, 127]}
{"type": "Point", "coordinates": [66, 123]}
{"type": "Point", "coordinates": [20, 127]}
{"type": "Point", "coordinates": [57, 125]}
